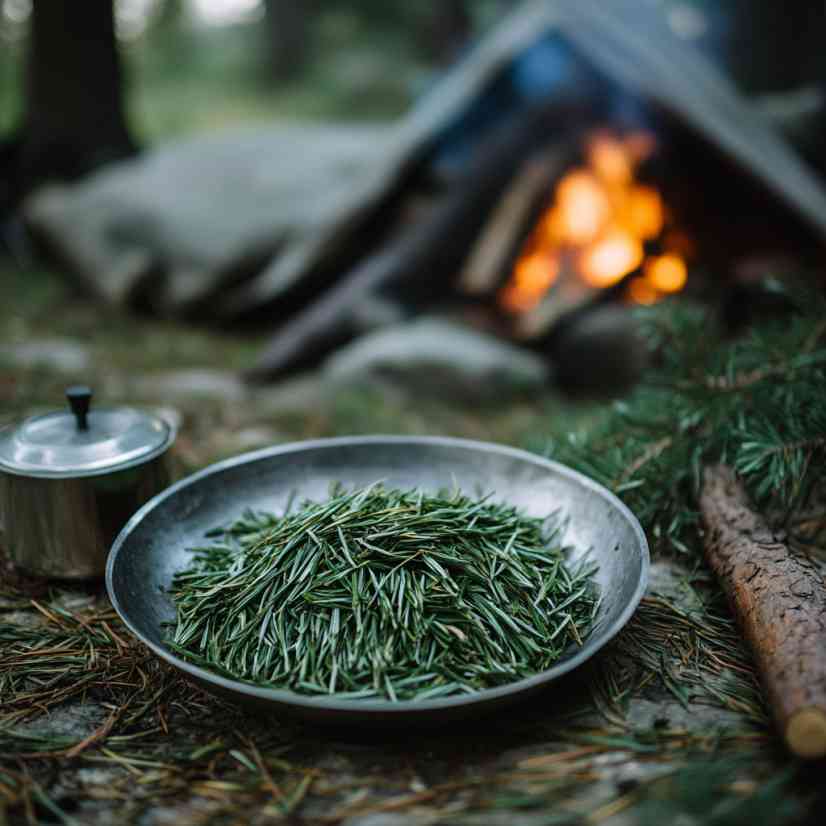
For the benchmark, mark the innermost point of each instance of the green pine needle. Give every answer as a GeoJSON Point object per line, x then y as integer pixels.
{"type": "Point", "coordinates": [380, 593]}
{"type": "Point", "coordinates": [757, 403]}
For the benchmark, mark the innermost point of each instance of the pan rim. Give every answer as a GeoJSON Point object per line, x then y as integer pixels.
{"type": "Point", "coordinates": [401, 708]}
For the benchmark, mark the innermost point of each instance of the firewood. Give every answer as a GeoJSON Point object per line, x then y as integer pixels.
{"type": "Point", "coordinates": [487, 263]}
{"type": "Point", "coordinates": [779, 600]}
{"type": "Point", "coordinates": [569, 295]}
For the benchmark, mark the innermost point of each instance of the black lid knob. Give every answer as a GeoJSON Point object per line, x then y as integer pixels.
{"type": "Point", "coordinates": [80, 397]}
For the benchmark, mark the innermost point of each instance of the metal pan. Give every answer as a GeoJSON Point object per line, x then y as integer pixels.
{"type": "Point", "coordinates": [153, 545]}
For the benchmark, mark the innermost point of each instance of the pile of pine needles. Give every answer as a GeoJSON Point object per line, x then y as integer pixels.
{"type": "Point", "coordinates": [385, 594]}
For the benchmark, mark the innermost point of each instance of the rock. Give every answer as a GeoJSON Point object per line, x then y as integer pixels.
{"type": "Point", "coordinates": [393, 819]}
{"type": "Point", "coordinates": [180, 222]}
{"type": "Point", "coordinates": [295, 395]}
{"type": "Point", "coordinates": [442, 358]}
{"type": "Point", "coordinates": [648, 714]}
{"type": "Point", "coordinates": [232, 442]}
{"type": "Point", "coordinates": [671, 580]}
{"type": "Point", "coordinates": [600, 352]}
{"type": "Point", "coordinates": [92, 776]}
{"type": "Point", "coordinates": [62, 355]}
{"type": "Point", "coordinates": [202, 384]}
{"type": "Point", "coordinates": [193, 810]}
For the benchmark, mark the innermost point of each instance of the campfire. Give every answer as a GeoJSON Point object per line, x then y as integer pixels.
{"type": "Point", "coordinates": [603, 227]}
{"type": "Point", "coordinates": [514, 219]}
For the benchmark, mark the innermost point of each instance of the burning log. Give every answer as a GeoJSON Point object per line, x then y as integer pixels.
{"type": "Point", "coordinates": [780, 603]}
{"type": "Point", "coordinates": [493, 252]}
{"type": "Point", "coordinates": [576, 224]}
{"type": "Point", "coordinates": [596, 228]}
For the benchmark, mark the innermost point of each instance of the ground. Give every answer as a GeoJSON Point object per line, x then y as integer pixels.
{"type": "Point", "coordinates": [666, 725]}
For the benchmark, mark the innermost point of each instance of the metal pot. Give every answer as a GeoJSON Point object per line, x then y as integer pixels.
{"type": "Point", "coordinates": [70, 480]}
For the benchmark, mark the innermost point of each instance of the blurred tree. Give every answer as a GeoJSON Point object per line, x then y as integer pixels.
{"type": "Point", "coordinates": [74, 118]}
{"type": "Point", "coordinates": [287, 24]}
{"type": "Point", "coordinates": [446, 29]}
{"type": "Point", "coordinates": [439, 29]}
{"type": "Point", "coordinates": [169, 15]}
{"type": "Point", "coordinates": [775, 46]}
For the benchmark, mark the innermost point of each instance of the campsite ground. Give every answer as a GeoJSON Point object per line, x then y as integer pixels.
{"type": "Point", "coordinates": [95, 731]}
{"type": "Point", "coordinates": [664, 727]}
{"type": "Point", "coordinates": [50, 337]}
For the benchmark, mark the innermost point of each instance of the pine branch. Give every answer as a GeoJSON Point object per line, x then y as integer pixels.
{"type": "Point", "coordinates": [757, 403]}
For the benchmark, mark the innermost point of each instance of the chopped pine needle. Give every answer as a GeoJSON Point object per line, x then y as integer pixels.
{"type": "Point", "coordinates": [383, 594]}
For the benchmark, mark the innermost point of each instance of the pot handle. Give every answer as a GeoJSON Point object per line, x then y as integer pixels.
{"type": "Point", "coordinates": [80, 398]}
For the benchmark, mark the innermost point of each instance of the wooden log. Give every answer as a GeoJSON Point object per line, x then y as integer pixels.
{"type": "Point", "coordinates": [779, 600]}
{"type": "Point", "coordinates": [568, 295]}
{"type": "Point", "coordinates": [512, 219]}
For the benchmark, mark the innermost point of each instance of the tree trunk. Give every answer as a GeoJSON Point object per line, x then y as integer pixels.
{"type": "Point", "coordinates": [287, 41]}
{"type": "Point", "coordinates": [75, 115]}
{"type": "Point", "coordinates": [780, 603]}
{"type": "Point", "coordinates": [775, 46]}
{"type": "Point", "coordinates": [446, 29]}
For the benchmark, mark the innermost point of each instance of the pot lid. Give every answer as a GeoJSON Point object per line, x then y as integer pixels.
{"type": "Point", "coordinates": [82, 442]}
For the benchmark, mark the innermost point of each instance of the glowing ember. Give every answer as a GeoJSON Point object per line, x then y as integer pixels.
{"type": "Point", "coordinates": [598, 221]}
{"type": "Point", "coordinates": [666, 273]}
{"type": "Point", "coordinates": [677, 241]}
{"type": "Point", "coordinates": [643, 214]}
{"type": "Point", "coordinates": [581, 211]}
{"type": "Point", "coordinates": [606, 261]}
{"type": "Point", "coordinates": [610, 159]}
{"type": "Point", "coordinates": [532, 276]}
{"type": "Point", "coordinates": [641, 292]}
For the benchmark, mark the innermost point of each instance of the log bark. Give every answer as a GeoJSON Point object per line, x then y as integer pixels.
{"type": "Point", "coordinates": [780, 603]}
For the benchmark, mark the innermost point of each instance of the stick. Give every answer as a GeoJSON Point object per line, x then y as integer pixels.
{"type": "Point", "coordinates": [495, 248]}
{"type": "Point", "coordinates": [780, 603]}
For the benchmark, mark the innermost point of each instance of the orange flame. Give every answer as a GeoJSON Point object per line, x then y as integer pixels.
{"type": "Point", "coordinates": [533, 275]}
{"type": "Point", "coordinates": [581, 209]}
{"type": "Point", "coordinates": [641, 292]}
{"type": "Point", "coordinates": [666, 273]}
{"type": "Point", "coordinates": [640, 145]}
{"type": "Point", "coordinates": [599, 220]}
{"type": "Point", "coordinates": [643, 214]}
{"type": "Point", "coordinates": [613, 256]}
{"type": "Point", "coordinates": [610, 159]}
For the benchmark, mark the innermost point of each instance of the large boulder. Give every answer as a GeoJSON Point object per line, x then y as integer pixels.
{"type": "Point", "coordinates": [441, 358]}
{"type": "Point", "coordinates": [183, 221]}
